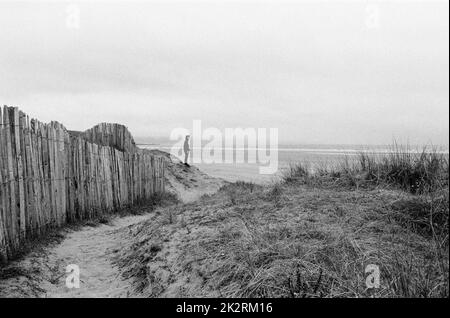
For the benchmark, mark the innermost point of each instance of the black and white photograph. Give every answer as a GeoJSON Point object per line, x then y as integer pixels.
{"type": "Point", "coordinates": [224, 156]}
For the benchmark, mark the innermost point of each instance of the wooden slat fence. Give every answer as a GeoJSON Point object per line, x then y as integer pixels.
{"type": "Point", "coordinates": [114, 135]}
{"type": "Point", "coordinates": [49, 177]}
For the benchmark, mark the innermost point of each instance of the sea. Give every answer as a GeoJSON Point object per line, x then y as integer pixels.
{"type": "Point", "coordinates": [312, 156]}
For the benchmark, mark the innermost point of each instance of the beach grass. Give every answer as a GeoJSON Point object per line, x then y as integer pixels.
{"type": "Point", "coordinates": [423, 171]}
{"type": "Point", "coordinates": [312, 234]}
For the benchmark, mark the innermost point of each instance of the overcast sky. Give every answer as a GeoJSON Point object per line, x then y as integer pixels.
{"type": "Point", "coordinates": [321, 72]}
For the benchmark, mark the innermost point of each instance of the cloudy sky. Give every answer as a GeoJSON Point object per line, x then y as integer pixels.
{"type": "Point", "coordinates": [322, 72]}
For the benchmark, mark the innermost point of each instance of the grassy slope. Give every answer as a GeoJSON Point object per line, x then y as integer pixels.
{"type": "Point", "coordinates": [290, 240]}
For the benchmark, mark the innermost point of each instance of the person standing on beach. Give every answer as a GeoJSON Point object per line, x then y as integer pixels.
{"type": "Point", "coordinates": [186, 149]}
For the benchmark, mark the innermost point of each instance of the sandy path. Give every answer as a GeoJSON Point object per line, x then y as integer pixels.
{"type": "Point", "coordinates": [43, 273]}
{"type": "Point", "coordinates": [91, 249]}
{"type": "Point", "coordinates": [187, 194]}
